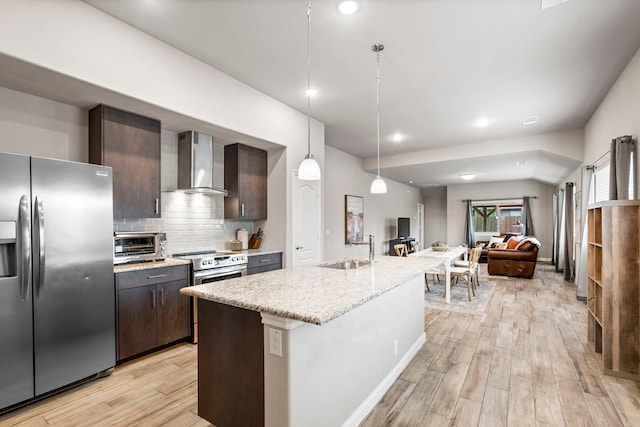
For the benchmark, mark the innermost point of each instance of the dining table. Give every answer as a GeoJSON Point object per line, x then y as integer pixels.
{"type": "Point", "coordinates": [447, 256]}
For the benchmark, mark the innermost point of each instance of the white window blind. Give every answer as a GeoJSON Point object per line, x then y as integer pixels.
{"type": "Point", "coordinates": [600, 184]}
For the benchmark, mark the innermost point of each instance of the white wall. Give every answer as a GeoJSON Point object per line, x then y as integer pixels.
{"type": "Point", "coordinates": [617, 115]}
{"type": "Point", "coordinates": [36, 126]}
{"type": "Point", "coordinates": [435, 215]}
{"type": "Point", "coordinates": [344, 175]}
{"type": "Point", "coordinates": [541, 208]}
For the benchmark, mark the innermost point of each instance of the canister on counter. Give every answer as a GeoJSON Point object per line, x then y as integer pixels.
{"type": "Point", "coordinates": [243, 235]}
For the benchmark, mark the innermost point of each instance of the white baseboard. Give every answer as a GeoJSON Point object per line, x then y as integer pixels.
{"type": "Point", "coordinates": [374, 397]}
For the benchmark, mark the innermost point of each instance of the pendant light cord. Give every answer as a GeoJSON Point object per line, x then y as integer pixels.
{"type": "Point", "coordinates": [309, 79]}
{"type": "Point", "coordinates": [377, 48]}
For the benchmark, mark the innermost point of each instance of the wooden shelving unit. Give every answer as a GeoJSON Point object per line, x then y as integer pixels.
{"type": "Point", "coordinates": [594, 287]}
{"type": "Point", "coordinates": [613, 290]}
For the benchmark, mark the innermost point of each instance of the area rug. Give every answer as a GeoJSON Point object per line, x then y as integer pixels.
{"type": "Point", "coordinates": [459, 298]}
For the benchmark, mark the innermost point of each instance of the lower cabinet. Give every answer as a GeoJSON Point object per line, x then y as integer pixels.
{"type": "Point", "coordinates": [261, 263]}
{"type": "Point", "coordinates": [151, 312]}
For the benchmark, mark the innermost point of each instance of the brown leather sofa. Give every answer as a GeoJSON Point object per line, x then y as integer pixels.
{"type": "Point", "coordinates": [519, 262]}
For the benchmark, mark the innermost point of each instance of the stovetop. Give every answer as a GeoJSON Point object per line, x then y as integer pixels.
{"type": "Point", "coordinates": [213, 259]}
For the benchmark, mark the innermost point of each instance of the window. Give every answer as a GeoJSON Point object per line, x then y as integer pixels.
{"type": "Point", "coordinates": [496, 218]}
{"type": "Point", "coordinates": [599, 190]}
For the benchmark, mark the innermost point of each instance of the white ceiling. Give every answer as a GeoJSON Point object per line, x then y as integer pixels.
{"type": "Point", "coordinates": [446, 63]}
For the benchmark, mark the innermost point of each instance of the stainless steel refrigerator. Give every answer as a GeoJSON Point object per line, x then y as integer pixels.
{"type": "Point", "coordinates": [57, 302]}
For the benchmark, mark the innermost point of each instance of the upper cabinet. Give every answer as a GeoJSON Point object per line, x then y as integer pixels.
{"type": "Point", "coordinates": [245, 177]}
{"type": "Point", "coordinates": [130, 144]}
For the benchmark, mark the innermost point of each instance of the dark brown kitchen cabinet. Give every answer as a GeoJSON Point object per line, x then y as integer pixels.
{"type": "Point", "coordinates": [151, 312]}
{"type": "Point", "coordinates": [245, 177]}
{"type": "Point", "coordinates": [266, 262]}
{"type": "Point", "coordinates": [130, 144]}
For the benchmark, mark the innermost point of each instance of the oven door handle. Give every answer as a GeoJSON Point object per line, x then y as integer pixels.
{"type": "Point", "coordinates": [219, 272]}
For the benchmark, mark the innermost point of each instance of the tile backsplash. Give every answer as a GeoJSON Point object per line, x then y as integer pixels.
{"type": "Point", "coordinates": [192, 223]}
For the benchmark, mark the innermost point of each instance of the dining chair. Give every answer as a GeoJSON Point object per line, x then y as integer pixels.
{"type": "Point", "coordinates": [469, 271]}
{"type": "Point", "coordinates": [435, 273]}
{"type": "Point", "coordinates": [465, 264]}
{"type": "Point", "coordinates": [401, 249]}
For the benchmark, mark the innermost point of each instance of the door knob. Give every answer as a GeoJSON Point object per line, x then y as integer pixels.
{"type": "Point", "coordinates": [298, 248]}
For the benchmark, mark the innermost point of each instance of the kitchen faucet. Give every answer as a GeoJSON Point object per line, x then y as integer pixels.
{"type": "Point", "coordinates": [372, 244]}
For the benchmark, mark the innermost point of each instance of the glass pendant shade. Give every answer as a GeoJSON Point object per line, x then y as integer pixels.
{"type": "Point", "coordinates": [378, 186]}
{"type": "Point", "coordinates": [309, 169]}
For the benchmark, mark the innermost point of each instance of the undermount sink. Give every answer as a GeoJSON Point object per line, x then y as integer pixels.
{"type": "Point", "coordinates": [347, 265]}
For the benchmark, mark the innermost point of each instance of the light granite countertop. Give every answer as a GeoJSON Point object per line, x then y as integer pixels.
{"type": "Point", "coordinates": [313, 294]}
{"type": "Point", "coordinates": [167, 262]}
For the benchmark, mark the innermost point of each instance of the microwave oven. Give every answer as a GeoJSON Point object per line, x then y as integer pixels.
{"type": "Point", "coordinates": [138, 246]}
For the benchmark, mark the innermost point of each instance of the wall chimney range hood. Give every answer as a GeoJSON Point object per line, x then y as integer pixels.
{"type": "Point", "coordinates": [195, 164]}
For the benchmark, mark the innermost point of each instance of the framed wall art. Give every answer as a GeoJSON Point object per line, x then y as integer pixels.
{"type": "Point", "coordinates": [353, 219]}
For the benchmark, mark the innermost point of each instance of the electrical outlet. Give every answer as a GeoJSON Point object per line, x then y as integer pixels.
{"type": "Point", "coordinates": [275, 342]}
{"type": "Point", "coordinates": [395, 347]}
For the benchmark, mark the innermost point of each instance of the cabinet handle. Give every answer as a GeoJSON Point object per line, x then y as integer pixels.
{"type": "Point", "coordinates": [299, 247]}
{"type": "Point", "coordinates": [157, 208]}
{"type": "Point", "coordinates": [242, 209]}
{"type": "Point", "coordinates": [265, 260]}
{"type": "Point", "coordinates": [153, 294]}
{"type": "Point", "coordinates": [162, 297]}
{"type": "Point", "coordinates": [157, 276]}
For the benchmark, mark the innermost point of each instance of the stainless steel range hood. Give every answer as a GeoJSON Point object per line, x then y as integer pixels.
{"type": "Point", "coordinates": [195, 164]}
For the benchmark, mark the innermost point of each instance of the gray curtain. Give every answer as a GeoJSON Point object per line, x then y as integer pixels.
{"type": "Point", "coordinates": [554, 223]}
{"type": "Point", "coordinates": [527, 219]}
{"type": "Point", "coordinates": [620, 167]}
{"type": "Point", "coordinates": [581, 275]}
{"type": "Point", "coordinates": [559, 230]}
{"type": "Point", "coordinates": [568, 231]}
{"type": "Point", "coordinates": [468, 226]}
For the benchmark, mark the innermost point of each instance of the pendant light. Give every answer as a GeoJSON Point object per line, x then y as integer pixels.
{"type": "Point", "coordinates": [378, 186]}
{"type": "Point", "coordinates": [309, 169]}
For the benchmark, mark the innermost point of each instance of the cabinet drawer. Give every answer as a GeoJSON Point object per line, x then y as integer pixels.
{"type": "Point", "coordinates": [265, 260]}
{"type": "Point", "coordinates": [262, 269]}
{"type": "Point", "coordinates": [132, 279]}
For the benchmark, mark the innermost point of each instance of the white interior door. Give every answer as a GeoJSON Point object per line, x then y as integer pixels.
{"type": "Point", "coordinates": [306, 222]}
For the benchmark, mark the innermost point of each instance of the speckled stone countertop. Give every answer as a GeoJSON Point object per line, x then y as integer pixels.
{"type": "Point", "coordinates": [313, 294]}
{"type": "Point", "coordinates": [168, 262]}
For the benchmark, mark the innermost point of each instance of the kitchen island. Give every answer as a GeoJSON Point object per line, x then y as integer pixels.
{"type": "Point", "coordinates": [307, 346]}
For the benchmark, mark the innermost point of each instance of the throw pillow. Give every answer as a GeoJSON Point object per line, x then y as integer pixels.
{"type": "Point", "coordinates": [512, 243]}
{"type": "Point", "coordinates": [495, 240]}
{"type": "Point", "coordinates": [502, 245]}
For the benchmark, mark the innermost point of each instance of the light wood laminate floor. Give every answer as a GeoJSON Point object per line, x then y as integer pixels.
{"type": "Point", "coordinates": [526, 362]}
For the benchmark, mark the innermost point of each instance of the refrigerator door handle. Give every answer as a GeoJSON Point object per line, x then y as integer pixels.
{"type": "Point", "coordinates": [38, 280]}
{"type": "Point", "coordinates": [24, 222]}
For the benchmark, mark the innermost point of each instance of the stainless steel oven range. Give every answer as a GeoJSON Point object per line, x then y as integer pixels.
{"type": "Point", "coordinates": [212, 266]}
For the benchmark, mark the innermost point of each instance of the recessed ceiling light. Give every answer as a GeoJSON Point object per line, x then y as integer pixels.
{"type": "Point", "coordinates": [311, 92]}
{"type": "Point", "coordinates": [531, 120]}
{"type": "Point", "coordinates": [521, 162]}
{"type": "Point", "coordinates": [397, 137]}
{"type": "Point", "coordinates": [467, 176]}
{"type": "Point", "coordinates": [348, 7]}
{"type": "Point", "coordinates": [483, 122]}
{"type": "Point", "coordinates": [410, 182]}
